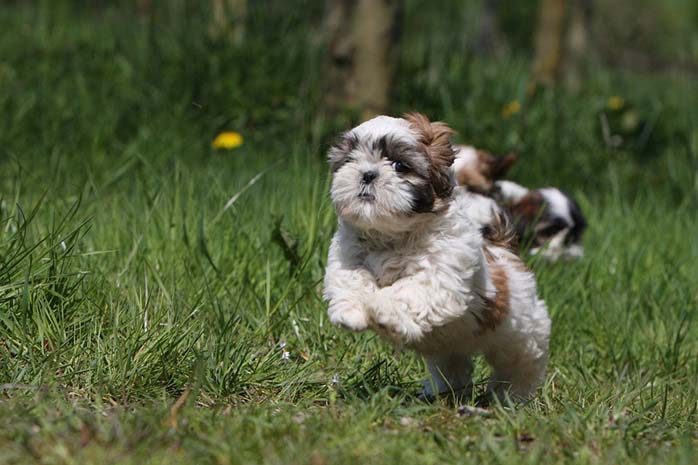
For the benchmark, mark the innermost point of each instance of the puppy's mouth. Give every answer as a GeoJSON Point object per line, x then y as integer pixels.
{"type": "Point", "coordinates": [366, 195]}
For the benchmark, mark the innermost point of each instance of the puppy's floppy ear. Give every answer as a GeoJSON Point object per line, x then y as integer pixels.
{"type": "Point", "coordinates": [435, 139]}
{"type": "Point", "coordinates": [494, 168]}
{"type": "Point", "coordinates": [501, 165]}
{"type": "Point", "coordinates": [341, 150]}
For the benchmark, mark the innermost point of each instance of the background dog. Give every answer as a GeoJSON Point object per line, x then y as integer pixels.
{"type": "Point", "coordinates": [547, 220]}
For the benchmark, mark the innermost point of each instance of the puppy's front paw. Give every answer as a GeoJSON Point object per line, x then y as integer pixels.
{"type": "Point", "coordinates": [392, 320]}
{"type": "Point", "coordinates": [386, 322]}
{"type": "Point", "coordinates": [352, 319]}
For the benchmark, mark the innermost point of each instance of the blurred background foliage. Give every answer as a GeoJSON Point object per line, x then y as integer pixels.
{"type": "Point", "coordinates": [101, 80]}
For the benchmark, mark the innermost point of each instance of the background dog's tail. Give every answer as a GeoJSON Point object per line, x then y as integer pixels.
{"type": "Point", "coordinates": [500, 231]}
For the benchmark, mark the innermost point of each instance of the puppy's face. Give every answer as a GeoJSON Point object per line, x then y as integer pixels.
{"type": "Point", "coordinates": [478, 170]}
{"type": "Point", "coordinates": [389, 172]}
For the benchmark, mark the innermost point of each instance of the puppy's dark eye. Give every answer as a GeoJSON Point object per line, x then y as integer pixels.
{"type": "Point", "coordinates": [400, 167]}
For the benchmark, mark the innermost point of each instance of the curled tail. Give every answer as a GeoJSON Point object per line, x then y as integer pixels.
{"type": "Point", "coordinates": [500, 231]}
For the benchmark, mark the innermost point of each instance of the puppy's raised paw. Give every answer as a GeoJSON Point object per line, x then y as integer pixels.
{"type": "Point", "coordinates": [391, 319]}
{"type": "Point", "coordinates": [352, 319]}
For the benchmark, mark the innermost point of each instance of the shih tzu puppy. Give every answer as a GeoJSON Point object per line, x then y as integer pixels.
{"type": "Point", "coordinates": [547, 220]}
{"type": "Point", "coordinates": [409, 261]}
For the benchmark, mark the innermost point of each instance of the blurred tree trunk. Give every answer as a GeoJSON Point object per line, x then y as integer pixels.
{"type": "Point", "coordinates": [361, 54]}
{"type": "Point", "coordinates": [578, 41]}
{"type": "Point", "coordinates": [489, 37]}
{"type": "Point", "coordinates": [547, 62]}
{"type": "Point", "coordinates": [228, 20]}
{"type": "Point", "coordinates": [144, 8]}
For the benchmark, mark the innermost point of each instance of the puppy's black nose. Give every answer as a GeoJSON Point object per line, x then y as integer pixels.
{"type": "Point", "coordinates": [369, 176]}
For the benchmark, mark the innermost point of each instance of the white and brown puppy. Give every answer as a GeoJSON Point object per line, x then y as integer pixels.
{"type": "Point", "coordinates": [547, 220]}
{"type": "Point", "coordinates": [409, 262]}
{"type": "Point", "coordinates": [478, 170]}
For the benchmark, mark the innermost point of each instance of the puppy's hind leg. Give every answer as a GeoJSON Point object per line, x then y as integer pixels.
{"type": "Point", "coordinates": [451, 375]}
{"type": "Point", "coordinates": [517, 373]}
{"type": "Point", "coordinates": [519, 380]}
{"type": "Point", "coordinates": [519, 355]}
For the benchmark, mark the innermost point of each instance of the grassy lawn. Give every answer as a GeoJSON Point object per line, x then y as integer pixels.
{"type": "Point", "coordinates": [149, 285]}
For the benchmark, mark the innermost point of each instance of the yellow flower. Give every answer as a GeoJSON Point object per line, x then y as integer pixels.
{"type": "Point", "coordinates": [227, 140]}
{"type": "Point", "coordinates": [615, 103]}
{"type": "Point", "coordinates": [511, 109]}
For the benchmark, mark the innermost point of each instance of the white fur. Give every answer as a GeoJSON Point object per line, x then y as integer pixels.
{"type": "Point", "coordinates": [574, 251]}
{"type": "Point", "coordinates": [510, 191]}
{"type": "Point", "coordinates": [558, 203]}
{"type": "Point", "coordinates": [384, 125]}
{"type": "Point", "coordinates": [480, 209]}
{"type": "Point", "coordinates": [559, 206]}
{"type": "Point", "coordinates": [466, 158]}
{"type": "Point", "coordinates": [420, 281]}
{"type": "Point", "coordinates": [554, 248]}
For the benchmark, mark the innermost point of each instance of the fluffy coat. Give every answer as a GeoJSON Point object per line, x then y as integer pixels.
{"type": "Point", "coordinates": [410, 262]}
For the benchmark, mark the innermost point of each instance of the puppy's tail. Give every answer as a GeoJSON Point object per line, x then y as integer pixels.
{"type": "Point", "coordinates": [500, 231]}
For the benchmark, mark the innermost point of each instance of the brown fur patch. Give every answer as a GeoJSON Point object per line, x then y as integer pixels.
{"type": "Point", "coordinates": [526, 213]}
{"type": "Point", "coordinates": [496, 167]}
{"type": "Point", "coordinates": [529, 206]}
{"type": "Point", "coordinates": [473, 179]}
{"type": "Point", "coordinates": [497, 307]}
{"type": "Point", "coordinates": [488, 169]}
{"type": "Point", "coordinates": [435, 139]}
{"type": "Point", "coordinates": [527, 209]}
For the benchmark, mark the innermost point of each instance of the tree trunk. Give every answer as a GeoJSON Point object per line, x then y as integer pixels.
{"type": "Point", "coordinates": [550, 30]}
{"type": "Point", "coordinates": [361, 54]}
{"type": "Point", "coordinates": [577, 47]}
{"type": "Point", "coordinates": [489, 37]}
{"type": "Point", "coordinates": [228, 20]}
{"type": "Point", "coordinates": [144, 8]}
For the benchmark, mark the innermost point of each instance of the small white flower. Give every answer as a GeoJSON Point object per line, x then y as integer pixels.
{"type": "Point", "coordinates": [63, 246]}
{"type": "Point", "coordinates": [335, 380]}
{"type": "Point", "coordinates": [285, 355]}
{"type": "Point", "coordinates": [282, 345]}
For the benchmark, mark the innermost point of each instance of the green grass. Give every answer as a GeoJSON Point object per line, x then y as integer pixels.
{"type": "Point", "coordinates": [141, 321]}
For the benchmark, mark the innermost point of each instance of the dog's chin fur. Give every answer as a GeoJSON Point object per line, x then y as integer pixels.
{"type": "Point", "coordinates": [409, 261]}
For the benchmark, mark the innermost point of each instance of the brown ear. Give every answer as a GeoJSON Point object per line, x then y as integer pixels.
{"type": "Point", "coordinates": [436, 140]}
{"type": "Point", "coordinates": [500, 165]}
